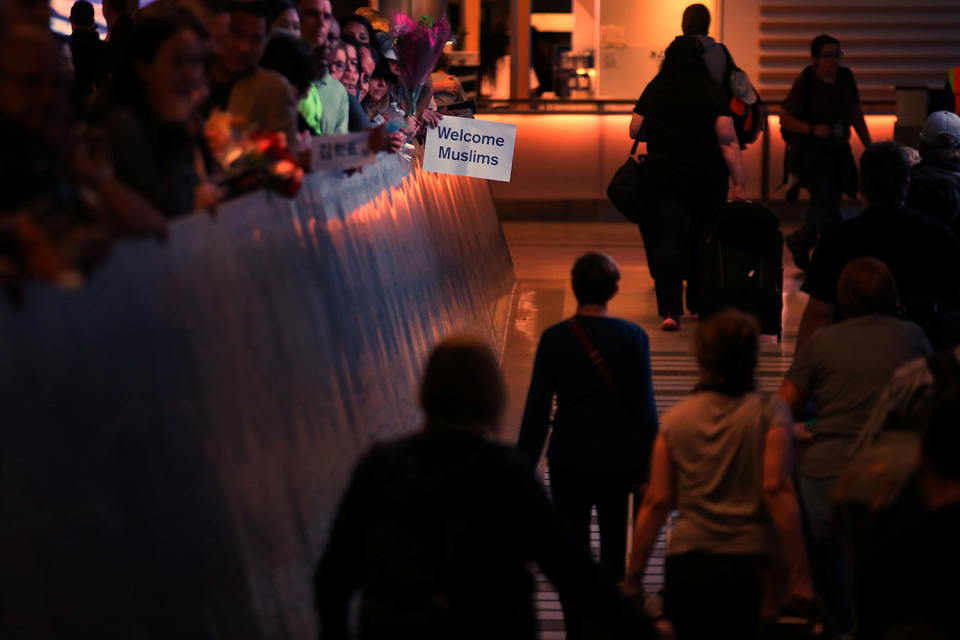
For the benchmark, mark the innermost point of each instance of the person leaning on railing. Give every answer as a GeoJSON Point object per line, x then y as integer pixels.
{"type": "Point", "coordinates": [152, 121]}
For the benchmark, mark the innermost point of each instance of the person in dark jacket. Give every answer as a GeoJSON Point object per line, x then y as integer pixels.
{"type": "Point", "coordinates": [86, 47]}
{"type": "Point", "coordinates": [822, 106]}
{"type": "Point", "coordinates": [935, 180]}
{"type": "Point", "coordinates": [922, 253]}
{"type": "Point", "coordinates": [438, 530]}
{"type": "Point", "coordinates": [605, 423]}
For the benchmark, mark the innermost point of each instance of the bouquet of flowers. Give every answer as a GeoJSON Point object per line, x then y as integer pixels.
{"type": "Point", "coordinates": [419, 45]}
{"type": "Point", "coordinates": [251, 160]}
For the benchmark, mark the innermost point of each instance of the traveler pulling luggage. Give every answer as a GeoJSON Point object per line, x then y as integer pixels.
{"type": "Point", "coordinates": [740, 264]}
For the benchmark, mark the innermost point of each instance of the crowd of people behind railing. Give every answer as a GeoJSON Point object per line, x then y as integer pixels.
{"type": "Point", "coordinates": [185, 104]}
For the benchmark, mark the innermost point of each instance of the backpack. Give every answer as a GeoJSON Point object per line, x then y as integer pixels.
{"type": "Point", "coordinates": [749, 120]}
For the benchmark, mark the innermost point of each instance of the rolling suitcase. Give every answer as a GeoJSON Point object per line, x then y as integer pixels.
{"type": "Point", "coordinates": [740, 264]}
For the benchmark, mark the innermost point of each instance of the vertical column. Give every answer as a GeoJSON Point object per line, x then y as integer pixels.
{"type": "Point", "coordinates": [471, 24]}
{"type": "Point", "coordinates": [520, 49]}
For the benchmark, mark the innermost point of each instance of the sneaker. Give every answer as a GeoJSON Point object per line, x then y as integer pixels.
{"type": "Point", "coordinates": [670, 323]}
{"type": "Point", "coordinates": [798, 251]}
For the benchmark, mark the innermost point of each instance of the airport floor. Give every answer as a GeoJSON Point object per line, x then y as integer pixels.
{"type": "Point", "coordinates": [543, 253]}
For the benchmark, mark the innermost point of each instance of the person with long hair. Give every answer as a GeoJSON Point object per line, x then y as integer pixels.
{"type": "Point", "coordinates": [153, 128]}
{"type": "Point", "coordinates": [692, 155]}
{"type": "Point", "coordinates": [723, 460]}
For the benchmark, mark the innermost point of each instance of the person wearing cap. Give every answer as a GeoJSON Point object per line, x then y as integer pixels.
{"type": "Point", "coordinates": [822, 105]}
{"type": "Point", "coordinates": [935, 180]}
{"type": "Point", "coordinates": [385, 44]}
{"type": "Point", "coordinates": [922, 253]}
{"type": "Point", "coordinates": [377, 100]}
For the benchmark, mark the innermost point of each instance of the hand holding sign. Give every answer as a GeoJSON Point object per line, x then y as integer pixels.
{"type": "Point", "coordinates": [468, 147]}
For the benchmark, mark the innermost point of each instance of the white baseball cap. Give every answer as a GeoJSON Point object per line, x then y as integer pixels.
{"type": "Point", "coordinates": [941, 123]}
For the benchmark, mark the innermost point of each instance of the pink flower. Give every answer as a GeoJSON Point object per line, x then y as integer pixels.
{"type": "Point", "coordinates": [418, 48]}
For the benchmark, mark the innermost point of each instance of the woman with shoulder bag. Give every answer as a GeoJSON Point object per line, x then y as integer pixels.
{"type": "Point", "coordinates": [692, 154]}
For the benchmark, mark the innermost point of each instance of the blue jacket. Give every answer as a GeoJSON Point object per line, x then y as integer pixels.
{"type": "Point", "coordinates": [595, 428]}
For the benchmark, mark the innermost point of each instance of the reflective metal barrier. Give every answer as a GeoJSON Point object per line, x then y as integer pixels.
{"type": "Point", "coordinates": [177, 433]}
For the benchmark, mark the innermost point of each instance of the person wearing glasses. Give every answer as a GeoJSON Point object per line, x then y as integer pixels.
{"type": "Point", "coordinates": [822, 105]}
{"type": "Point", "coordinates": [339, 64]}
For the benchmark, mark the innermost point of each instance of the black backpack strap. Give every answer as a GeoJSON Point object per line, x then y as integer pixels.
{"type": "Point", "coordinates": [847, 75]}
{"type": "Point", "coordinates": [806, 88]}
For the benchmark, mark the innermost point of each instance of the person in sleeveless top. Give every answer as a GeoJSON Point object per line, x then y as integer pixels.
{"type": "Point", "coordinates": [723, 460]}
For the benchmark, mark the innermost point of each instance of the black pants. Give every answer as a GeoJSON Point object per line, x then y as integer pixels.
{"type": "Point", "coordinates": [713, 595]}
{"type": "Point", "coordinates": [677, 219]}
{"type": "Point", "coordinates": [575, 492]}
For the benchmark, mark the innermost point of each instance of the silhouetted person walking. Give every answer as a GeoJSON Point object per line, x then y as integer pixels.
{"type": "Point", "coordinates": [438, 530]}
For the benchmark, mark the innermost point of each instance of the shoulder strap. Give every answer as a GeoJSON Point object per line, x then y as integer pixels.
{"type": "Point", "coordinates": [593, 353]}
{"type": "Point", "coordinates": [851, 82]}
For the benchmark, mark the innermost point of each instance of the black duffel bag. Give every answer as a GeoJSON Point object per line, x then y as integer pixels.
{"type": "Point", "coordinates": [626, 188]}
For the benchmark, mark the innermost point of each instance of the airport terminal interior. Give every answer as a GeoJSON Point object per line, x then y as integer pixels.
{"type": "Point", "coordinates": [226, 264]}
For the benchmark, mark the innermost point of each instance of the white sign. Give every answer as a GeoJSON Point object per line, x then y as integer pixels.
{"type": "Point", "coordinates": [467, 147]}
{"type": "Point", "coordinates": [328, 153]}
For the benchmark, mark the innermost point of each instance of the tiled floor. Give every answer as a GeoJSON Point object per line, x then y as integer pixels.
{"type": "Point", "coordinates": [543, 254]}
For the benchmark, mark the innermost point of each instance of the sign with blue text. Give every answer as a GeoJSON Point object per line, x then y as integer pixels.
{"type": "Point", "coordinates": [467, 147]}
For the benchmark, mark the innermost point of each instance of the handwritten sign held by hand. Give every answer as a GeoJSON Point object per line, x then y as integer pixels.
{"type": "Point", "coordinates": [330, 153]}
{"type": "Point", "coordinates": [467, 147]}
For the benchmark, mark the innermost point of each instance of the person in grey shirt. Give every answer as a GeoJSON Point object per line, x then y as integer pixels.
{"type": "Point", "coordinates": [843, 369]}
{"type": "Point", "coordinates": [723, 459]}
